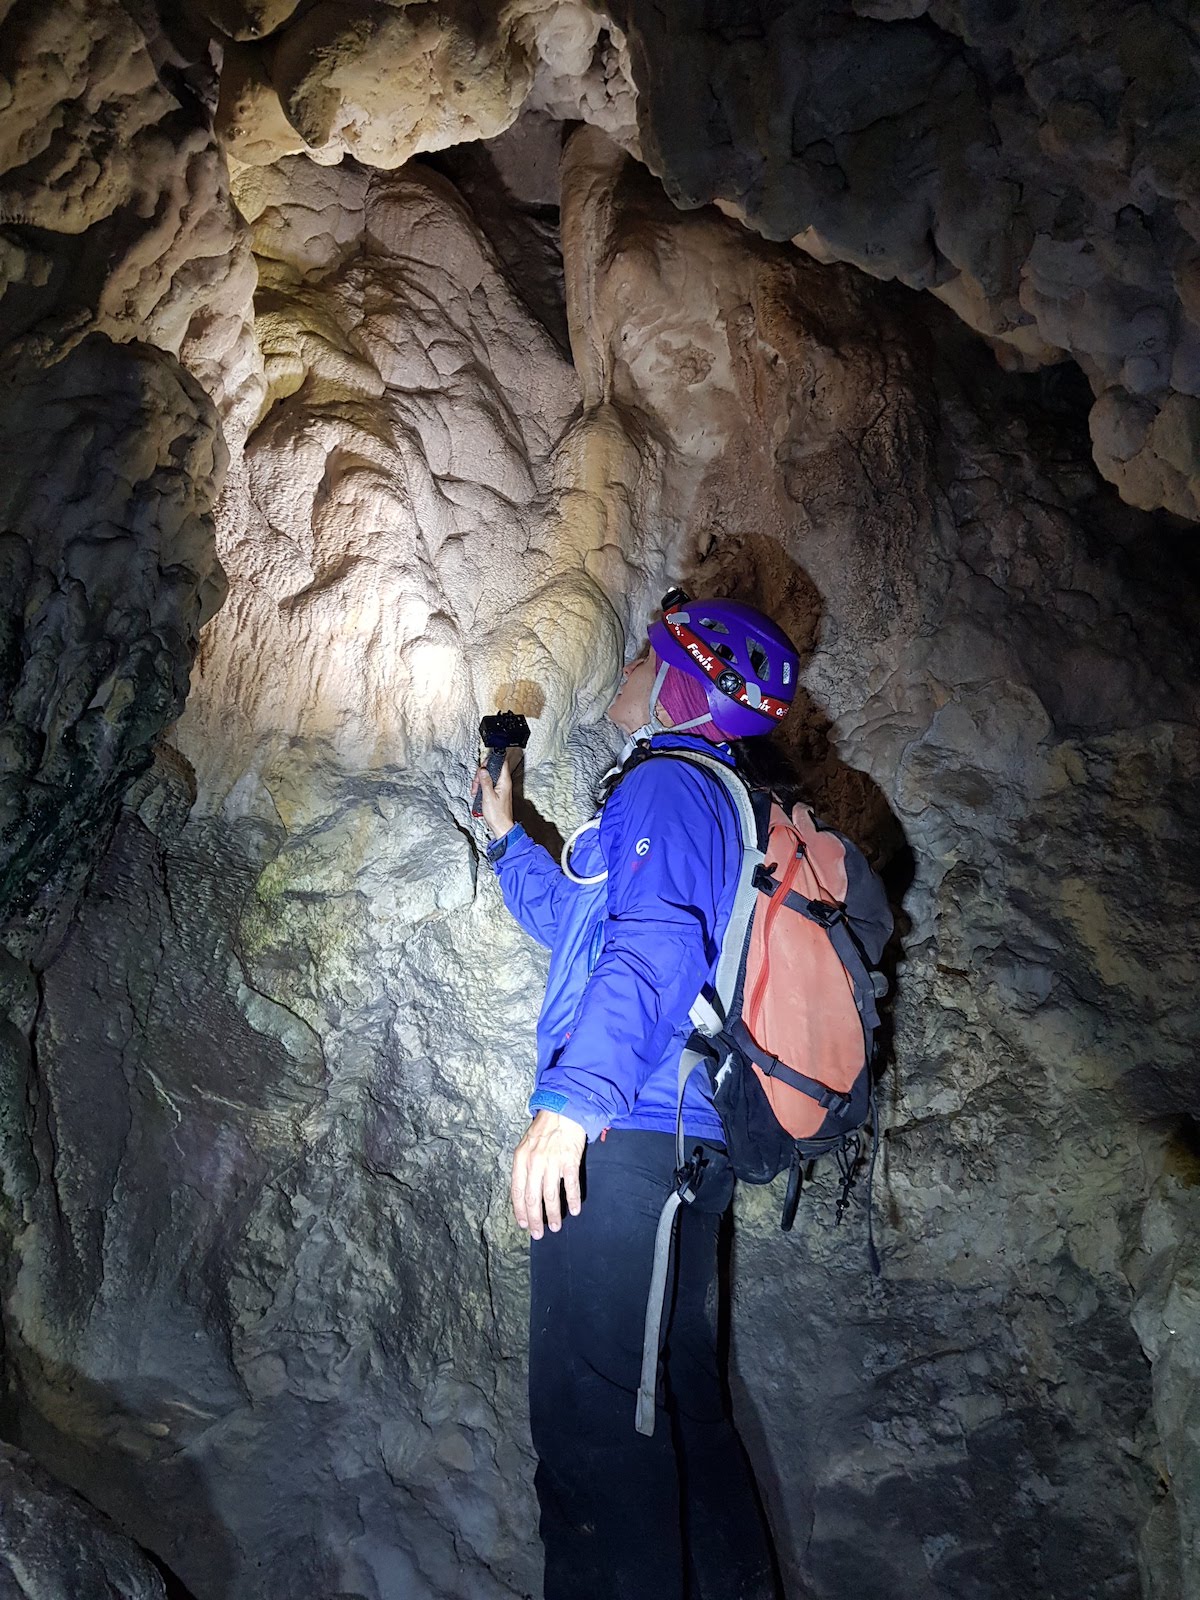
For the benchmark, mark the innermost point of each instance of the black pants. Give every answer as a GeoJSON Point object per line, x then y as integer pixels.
{"type": "Point", "coordinates": [624, 1517]}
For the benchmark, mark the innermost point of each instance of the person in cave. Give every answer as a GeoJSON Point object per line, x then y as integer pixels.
{"type": "Point", "coordinates": [633, 919]}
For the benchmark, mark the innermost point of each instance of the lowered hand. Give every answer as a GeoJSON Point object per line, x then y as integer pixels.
{"type": "Point", "coordinates": [545, 1163]}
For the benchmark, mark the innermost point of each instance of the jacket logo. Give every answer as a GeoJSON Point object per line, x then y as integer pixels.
{"type": "Point", "coordinates": [642, 847]}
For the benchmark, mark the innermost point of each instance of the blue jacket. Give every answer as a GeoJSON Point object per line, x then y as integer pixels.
{"type": "Point", "coordinates": [630, 954]}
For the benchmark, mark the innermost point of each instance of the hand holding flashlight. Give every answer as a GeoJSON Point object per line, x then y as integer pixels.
{"type": "Point", "coordinates": [492, 795]}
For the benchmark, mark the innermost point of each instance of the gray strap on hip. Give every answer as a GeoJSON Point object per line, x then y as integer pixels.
{"type": "Point", "coordinates": [708, 1020]}
{"type": "Point", "coordinates": [656, 1298]}
{"type": "Point", "coordinates": [648, 1389]}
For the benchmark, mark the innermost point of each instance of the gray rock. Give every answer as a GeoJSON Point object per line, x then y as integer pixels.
{"type": "Point", "coordinates": [1033, 167]}
{"type": "Point", "coordinates": [54, 1546]}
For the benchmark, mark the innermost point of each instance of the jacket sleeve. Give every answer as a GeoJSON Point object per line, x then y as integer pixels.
{"type": "Point", "coordinates": [671, 842]}
{"type": "Point", "coordinates": [531, 882]}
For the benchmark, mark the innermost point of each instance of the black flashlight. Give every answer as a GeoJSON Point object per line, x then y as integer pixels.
{"type": "Point", "coordinates": [504, 731]}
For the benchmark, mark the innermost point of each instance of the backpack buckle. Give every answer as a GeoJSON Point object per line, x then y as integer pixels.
{"type": "Point", "coordinates": [764, 879]}
{"type": "Point", "coordinates": [689, 1176]}
{"type": "Point", "coordinates": [821, 911]}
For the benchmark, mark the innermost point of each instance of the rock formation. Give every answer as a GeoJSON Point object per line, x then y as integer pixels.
{"type": "Point", "coordinates": [383, 82]}
{"type": "Point", "coordinates": [1033, 167]}
{"type": "Point", "coordinates": [262, 1299]}
{"type": "Point", "coordinates": [53, 1545]}
{"type": "Point", "coordinates": [120, 251]}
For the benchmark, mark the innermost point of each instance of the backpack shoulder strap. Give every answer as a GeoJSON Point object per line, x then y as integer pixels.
{"type": "Point", "coordinates": [708, 1014]}
{"type": "Point", "coordinates": [753, 814]}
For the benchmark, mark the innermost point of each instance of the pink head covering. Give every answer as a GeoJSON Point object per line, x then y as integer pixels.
{"type": "Point", "coordinates": [683, 697]}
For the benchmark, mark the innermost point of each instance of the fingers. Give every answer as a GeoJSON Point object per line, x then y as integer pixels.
{"type": "Point", "coordinates": [520, 1170]}
{"type": "Point", "coordinates": [570, 1183]}
{"type": "Point", "coordinates": [545, 1164]}
{"type": "Point", "coordinates": [535, 1184]}
{"type": "Point", "coordinates": [552, 1178]}
{"type": "Point", "coordinates": [503, 784]}
{"type": "Point", "coordinates": [528, 1181]}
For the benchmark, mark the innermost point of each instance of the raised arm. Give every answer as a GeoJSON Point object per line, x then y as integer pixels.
{"type": "Point", "coordinates": [531, 881]}
{"type": "Point", "coordinates": [671, 844]}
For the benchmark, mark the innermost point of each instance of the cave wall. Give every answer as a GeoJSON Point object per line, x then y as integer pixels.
{"type": "Point", "coordinates": [263, 1301]}
{"type": "Point", "coordinates": [1031, 166]}
{"type": "Point", "coordinates": [129, 371]}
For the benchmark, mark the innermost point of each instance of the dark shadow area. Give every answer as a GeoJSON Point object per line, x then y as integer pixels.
{"type": "Point", "coordinates": [101, 1445]}
{"type": "Point", "coordinates": [539, 828]}
{"type": "Point", "coordinates": [511, 184]}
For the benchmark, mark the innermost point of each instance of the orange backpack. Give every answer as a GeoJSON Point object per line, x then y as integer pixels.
{"type": "Point", "coordinates": [787, 1029]}
{"type": "Point", "coordinates": [789, 1038]}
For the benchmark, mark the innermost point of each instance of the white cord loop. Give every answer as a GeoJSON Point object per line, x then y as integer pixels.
{"type": "Point", "coordinates": [565, 858]}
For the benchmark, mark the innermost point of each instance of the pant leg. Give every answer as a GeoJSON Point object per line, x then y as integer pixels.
{"type": "Point", "coordinates": [727, 1542]}
{"type": "Point", "coordinates": [613, 1523]}
{"type": "Point", "coordinates": [609, 1497]}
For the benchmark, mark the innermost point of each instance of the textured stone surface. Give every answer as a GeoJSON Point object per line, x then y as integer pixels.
{"type": "Point", "coordinates": [54, 1546]}
{"type": "Point", "coordinates": [110, 568]}
{"type": "Point", "coordinates": [392, 544]}
{"type": "Point", "coordinates": [985, 692]}
{"type": "Point", "coordinates": [1032, 166]}
{"type": "Point", "coordinates": [115, 226]}
{"type": "Point", "coordinates": [114, 202]}
{"type": "Point", "coordinates": [1167, 1318]}
{"type": "Point", "coordinates": [384, 82]}
{"type": "Point", "coordinates": [264, 1299]}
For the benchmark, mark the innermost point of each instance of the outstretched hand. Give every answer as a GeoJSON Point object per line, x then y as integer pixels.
{"type": "Point", "coordinates": [495, 800]}
{"type": "Point", "coordinates": [545, 1163]}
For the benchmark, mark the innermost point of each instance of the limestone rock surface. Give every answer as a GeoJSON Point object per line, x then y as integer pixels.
{"type": "Point", "coordinates": [265, 1302]}
{"type": "Point", "coordinates": [1032, 166]}
{"type": "Point", "coordinates": [401, 559]}
{"type": "Point", "coordinates": [385, 82]}
{"type": "Point", "coordinates": [54, 1546]}
{"type": "Point", "coordinates": [1018, 761]}
{"type": "Point", "coordinates": [110, 568]}
{"type": "Point", "coordinates": [114, 201]}
{"type": "Point", "coordinates": [261, 1296]}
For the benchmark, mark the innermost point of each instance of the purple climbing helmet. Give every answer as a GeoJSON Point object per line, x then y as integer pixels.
{"type": "Point", "coordinates": [746, 663]}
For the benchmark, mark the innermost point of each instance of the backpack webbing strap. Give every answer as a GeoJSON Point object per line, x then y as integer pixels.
{"type": "Point", "coordinates": [772, 1067]}
{"type": "Point", "coordinates": [872, 1252]}
{"type": "Point", "coordinates": [719, 994]}
{"type": "Point", "coordinates": [683, 1193]}
{"type": "Point", "coordinates": [707, 1015]}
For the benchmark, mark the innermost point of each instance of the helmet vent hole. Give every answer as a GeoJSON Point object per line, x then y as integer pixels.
{"type": "Point", "coordinates": [713, 625]}
{"type": "Point", "coordinates": [758, 659]}
{"type": "Point", "coordinates": [724, 651]}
